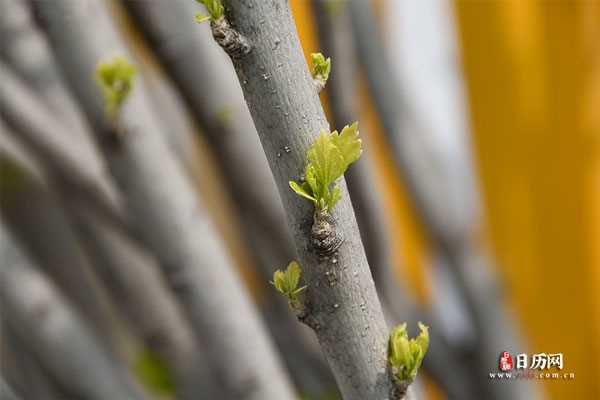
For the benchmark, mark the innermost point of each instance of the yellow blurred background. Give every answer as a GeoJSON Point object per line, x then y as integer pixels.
{"type": "Point", "coordinates": [532, 83]}
{"type": "Point", "coordinates": [533, 87]}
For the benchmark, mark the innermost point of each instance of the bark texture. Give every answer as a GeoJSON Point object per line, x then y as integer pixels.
{"type": "Point", "coordinates": [335, 35]}
{"type": "Point", "coordinates": [168, 214]}
{"type": "Point", "coordinates": [215, 100]}
{"type": "Point", "coordinates": [48, 324]}
{"type": "Point", "coordinates": [343, 305]}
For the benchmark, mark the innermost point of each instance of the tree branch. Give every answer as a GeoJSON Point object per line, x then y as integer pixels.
{"type": "Point", "coordinates": [169, 216]}
{"type": "Point", "coordinates": [47, 323]}
{"type": "Point", "coordinates": [342, 302]}
{"type": "Point", "coordinates": [215, 100]}
{"type": "Point", "coordinates": [425, 180]}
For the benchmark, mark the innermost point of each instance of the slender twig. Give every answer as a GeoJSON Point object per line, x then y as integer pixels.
{"type": "Point", "coordinates": [341, 301]}
{"type": "Point", "coordinates": [335, 34]}
{"type": "Point", "coordinates": [169, 215]}
{"type": "Point", "coordinates": [215, 100]}
{"type": "Point", "coordinates": [62, 342]}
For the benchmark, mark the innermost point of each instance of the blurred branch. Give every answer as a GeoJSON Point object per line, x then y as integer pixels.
{"type": "Point", "coordinates": [169, 216]}
{"type": "Point", "coordinates": [35, 218]}
{"type": "Point", "coordinates": [335, 34]}
{"type": "Point", "coordinates": [47, 323]}
{"type": "Point", "coordinates": [216, 102]}
{"type": "Point", "coordinates": [22, 371]}
{"type": "Point", "coordinates": [126, 272]}
{"type": "Point", "coordinates": [6, 393]}
{"type": "Point", "coordinates": [288, 117]}
{"type": "Point", "coordinates": [424, 179]}
{"type": "Point", "coordinates": [39, 130]}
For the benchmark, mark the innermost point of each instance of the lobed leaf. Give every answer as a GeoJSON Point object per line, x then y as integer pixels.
{"type": "Point", "coordinates": [286, 282]}
{"type": "Point", "coordinates": [328, 159]}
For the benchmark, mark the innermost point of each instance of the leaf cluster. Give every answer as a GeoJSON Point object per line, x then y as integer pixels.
{"type": "Point", "coordinates": [215, 10]}
{"type": "Point", "coordinates": [115, 79]}
{"type": "Point", "coordinates": [286, 282]}
{"type": "Point", "coordinates": [406, 355]}
{"type": "Point", "coordinates": [328, 159]}
{"type": "Point", "coordinates": [321, 66]}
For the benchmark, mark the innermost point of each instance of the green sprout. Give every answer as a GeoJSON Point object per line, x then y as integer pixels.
{"type": "Point", "coordinates": [406, 355]}
{"type": "Point", "coordinates": [115, 78]}
{"type": "Point", "coordinates": [329, 157]}
{"type": "Point", "coordinates": [215, 10]}
{"type": "Point", "coordinates": [321, 69]}
{"type": "Point", "coordinates": [154, 373]}
{"type": "Point", "coordinates": [286, 282]}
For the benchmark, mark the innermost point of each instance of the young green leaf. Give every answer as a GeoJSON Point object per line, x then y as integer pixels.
{"type": "Point", "coordinates": [286, 282]}
{"type": "Point", "coordinates": [154, 373]}
{"type": "Point", "coordinates": [406, 355]}
{"type": "Point", "coordinates": [214, 8]}
{"type": "Point", "coordinates": [200, 18]}
{"type": "Point", "coordinates": [303, 190]}
{"type": "Point", "coordinates": [321, 67]}
{"type": "Point", "coordinates": [115, 79]}
{"type": "Point", "coordinates": [328, 159]}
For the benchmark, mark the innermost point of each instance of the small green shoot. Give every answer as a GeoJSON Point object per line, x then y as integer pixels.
{"type": "Point", "coordinates": [320, 71]}
{"type": "Point", "coordinates": [215, 10]}
{"type": "Point", "coordinates": [154, 373]}
{"type": "Point", "coordinates": [286, 282]}
{"type": "Point", "coordinates": [406, 355]}
{"type": "Point", "coordinates": [115, 79]}
{"type": "Point", "coordinates": [329, 157]}
{"type": "Point", "coordinates": [321, 67]}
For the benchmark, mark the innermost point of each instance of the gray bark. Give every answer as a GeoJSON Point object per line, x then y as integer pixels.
{"type": "Point", "coordinates": [335, 35]}
{"type": "Point", "coordinates": [450, 234]}
{"type": "Point", "coordinates": [47, 323]}
{"type": "Point", "coordinates": [128, 274]}
{"type": "Point", "coordinates": [40, 130]}
{"type": "Point", "coordinates": [6, 392]}
{"type": "Point", "coordinates": [36, 218]}
{"type": "Point", "coordinates": [343, 305]}
{"type": "Point", "coordinates": [168, 214]}
{"type": "Point", "coordinates": [185, 48]}
{"type": "Point", "coordinates": [132, 278]}
{"type": "Point", "coordinates": [23, 372]}
{"type": "Point", "coordinates": [23, 47]}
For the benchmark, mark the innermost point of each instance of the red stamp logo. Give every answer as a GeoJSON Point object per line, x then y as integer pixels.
{"type": "Point", "coordinates": [506, 361]}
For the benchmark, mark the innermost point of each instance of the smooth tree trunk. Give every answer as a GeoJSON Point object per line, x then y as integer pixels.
{"type": "Point", "coordinates": [344, 309]}
{"type": "Point", "coordinates": [47, 323]}
{"type": "Point", "coordinates": [215, 100]}
{"type": "Point", "coordinates": [169, 216]}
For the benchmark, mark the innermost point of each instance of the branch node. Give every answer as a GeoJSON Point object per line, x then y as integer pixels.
{"type": "Point", "coordinates": [324, 235]}
{"type": "Point", "coordinates": [302, 311]}
{"type": "Point", "coordinates": [399, 388]}
{"type": "Point", "coordinates": [233, 42]}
